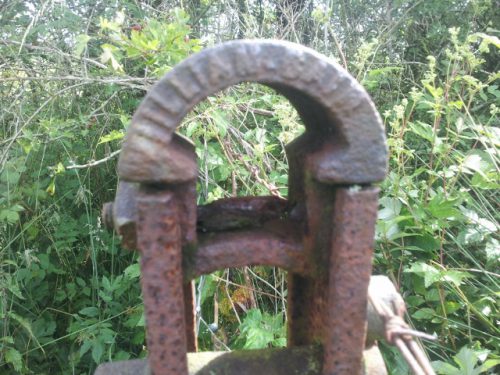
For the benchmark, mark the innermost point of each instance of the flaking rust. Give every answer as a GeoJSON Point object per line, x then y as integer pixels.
{"type": "Point", "coordinates": [322, 234]}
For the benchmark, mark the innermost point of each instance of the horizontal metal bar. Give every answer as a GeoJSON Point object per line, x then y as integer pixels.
{"type": "Point", "coordinates": [275, 245]}
{"type": "Point", "coordinates": [290, 361]}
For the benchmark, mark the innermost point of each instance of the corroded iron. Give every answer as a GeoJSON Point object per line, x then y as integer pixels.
{"type": "Point", "coordinates": [344, 144]}
{"type": "Point", "coordinates": [304, 360]}
{"type": "Point", "coordinates": [322, 234]}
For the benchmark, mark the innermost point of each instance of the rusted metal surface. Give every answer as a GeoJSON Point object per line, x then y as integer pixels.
{"type": "Point", "coordinates": [313, 208]}
{"type": "Point", "coordinates": [221, 215]}
{"type": "Point", "coordinates": [346, 138]}
{"type": "Point", "coordinates": [159, 240]}
{"type": "Point", "coordinates": [248, 247]}
{"type": "Point", "coordinates": [240, 212]}
{"type": "Point", "coordinates": [355, 213]}
{"type": "Point", "coordinates": [291, 361]}
{"type": "Point", "coordinates": [190, 316]}
{"type": "Point", "coordinates": [322, 234]}
{"type": "Point", "coordinates": [120, 215]}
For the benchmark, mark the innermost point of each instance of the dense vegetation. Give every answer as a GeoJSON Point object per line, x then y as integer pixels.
{"type": "Point", "coordinates": [71, 75]}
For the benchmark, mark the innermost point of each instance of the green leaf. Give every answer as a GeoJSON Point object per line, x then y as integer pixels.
{"type": "Point", "coordinates": [472, 163]}
{"type": "Point", "coordinates": [51, 189]}
{"type": "Point", "coordinates": [487, 40]}
{"type": "Point", "coordinates": [470, 236]}
{"type": "Point", "coordinates": [23, 322]}
{"type": "Point", "coordinates": [466, 360]}
{"type": "Point", "coordinates": [9, 216]}
{"type": "Point", "coordinates": [486, 180]}
{"type": "Point", "coordinates": [423, 130]}
{"type": "Point", "coordinates": [111, 25]}
{"type": "Point", "coordinates": [7, 340]}
{"type": "Point", "coordinates": [221, 123]}
{"type": "Point", "coordinates": [429, 273]}
{"type": "Point", "coordinates": [424, 241]}
{"type": "Point", "coordinates": [44, 327]}
{"type": "Point", "coordinates": [135, 319]}
{"type": "Point", "coordinates": [107, 284]}
{"type": "Point", "coordinates": [259, 330]}
{"type": "Point", "coordinates": [451, 307]}
{"type": "Point", "coordinates": [444, 368]}
{"type": "Point", "coordinates": [85, 347]}
{"type": "Point", "coordinates": [108, 55]}
{"type": "Point", "coordinates": [424, 314]}
{"type": "Point", "coordinates": [391, 208]}
{"type": "Point", "coordinates": [13, 286]}
{"type": "Point", "coordinates": [455, 277]}
{"type": "Point", "coordinates": [111, 136]}
{"type": "Point", "coordinates": [436, 92]}
{"type": "Point", "coordinates": [81, 44]}
{"type": "Point", "coordinates": [89, 311]}
{"type": "Point", "coordinates": [121, 356]}
{"type": "Point", "coordinates": [10, 176]}
{"type": "Point", "coordinates": [133, 271]}
{"type": "Point", "coordinates": [442, 208]}
{"type": "Point", "coordinates": [142, 321]}
{"type": "Point", "coordinates": [280, 342]}
{"type": "Point", "coordinates": [209, 288]}
{"type": "Point", "coordinates": [13, 357]}
{"type": "Point", "coordinates": [97, 350]}
{"type": "Point", "coordinates": [489, 364]}
{"type": "Point", "coordinates": [492, 250]}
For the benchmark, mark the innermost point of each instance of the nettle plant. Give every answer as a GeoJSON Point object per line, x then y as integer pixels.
{"type": "Point", "coordinates": [437, 229]}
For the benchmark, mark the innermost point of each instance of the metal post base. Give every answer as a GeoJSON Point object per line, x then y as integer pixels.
{"type": "Point", "coordinates": [293, 361]}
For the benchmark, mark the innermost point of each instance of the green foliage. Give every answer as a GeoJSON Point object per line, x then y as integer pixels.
{"type": "Point", "coordinates": [262, 330]}
{"type": "Point", "coordinates": [156, 46]}
{"type": "Point", "coordinates": [70, 297]}
{"type": "Point", "coordinates": [466, 360]}
{"type": "Point", "coordinates": [72, 76]}
{"type": "Point", "coordinates": [437, 217]}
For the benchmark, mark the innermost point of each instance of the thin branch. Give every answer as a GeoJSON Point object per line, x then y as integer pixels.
{"type": "Point", "coordinates": [338, 46]}
{"type": "Point", "coordinates": [104, 80]}
{"type": "Point", "coordinates": [94, 163]}
{"type": "Point", "coordinates": [3, 158]}
{"type": "Point", "coordinates": [33, 22]}
{"type": "Point", "coordinates": [53, 50]}
{"type": "Point", "coordinates": [257, 111]}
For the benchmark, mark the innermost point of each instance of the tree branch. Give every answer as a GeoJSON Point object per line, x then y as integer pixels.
{"type": "Point", "coordinates": [94, 163]}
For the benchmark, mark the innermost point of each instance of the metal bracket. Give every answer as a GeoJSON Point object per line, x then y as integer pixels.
{"type": "Point", "coordinates": [322, 234]}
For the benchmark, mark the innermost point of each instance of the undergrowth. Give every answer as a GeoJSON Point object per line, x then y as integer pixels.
{"type": "Point", "coordinates": [70, 296]}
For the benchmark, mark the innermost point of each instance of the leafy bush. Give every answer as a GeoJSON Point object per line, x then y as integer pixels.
{"type": "Point", "coordinates": [70, 296]}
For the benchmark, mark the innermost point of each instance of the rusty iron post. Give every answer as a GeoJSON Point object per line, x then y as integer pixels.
{"type": "Point", "coordinates": [322, 234]}
{"type": "Point", "coordinates": [355, 212]}
{"type": "Point", "coordinates": [159, 241]}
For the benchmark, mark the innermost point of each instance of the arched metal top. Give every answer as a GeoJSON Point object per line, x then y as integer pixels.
{"type": "Point", "coordinates": [344, 133]}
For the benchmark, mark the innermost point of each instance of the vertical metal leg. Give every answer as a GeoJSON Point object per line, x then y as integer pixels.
{"type": "Point", "coordinates": [308, 295]}
{"type": "Point", "coordinates": [355, 213]}
{"type": "Point", "coordinates": [190, 319]}
{"type": "Point", "coordinates": [159, 240]}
